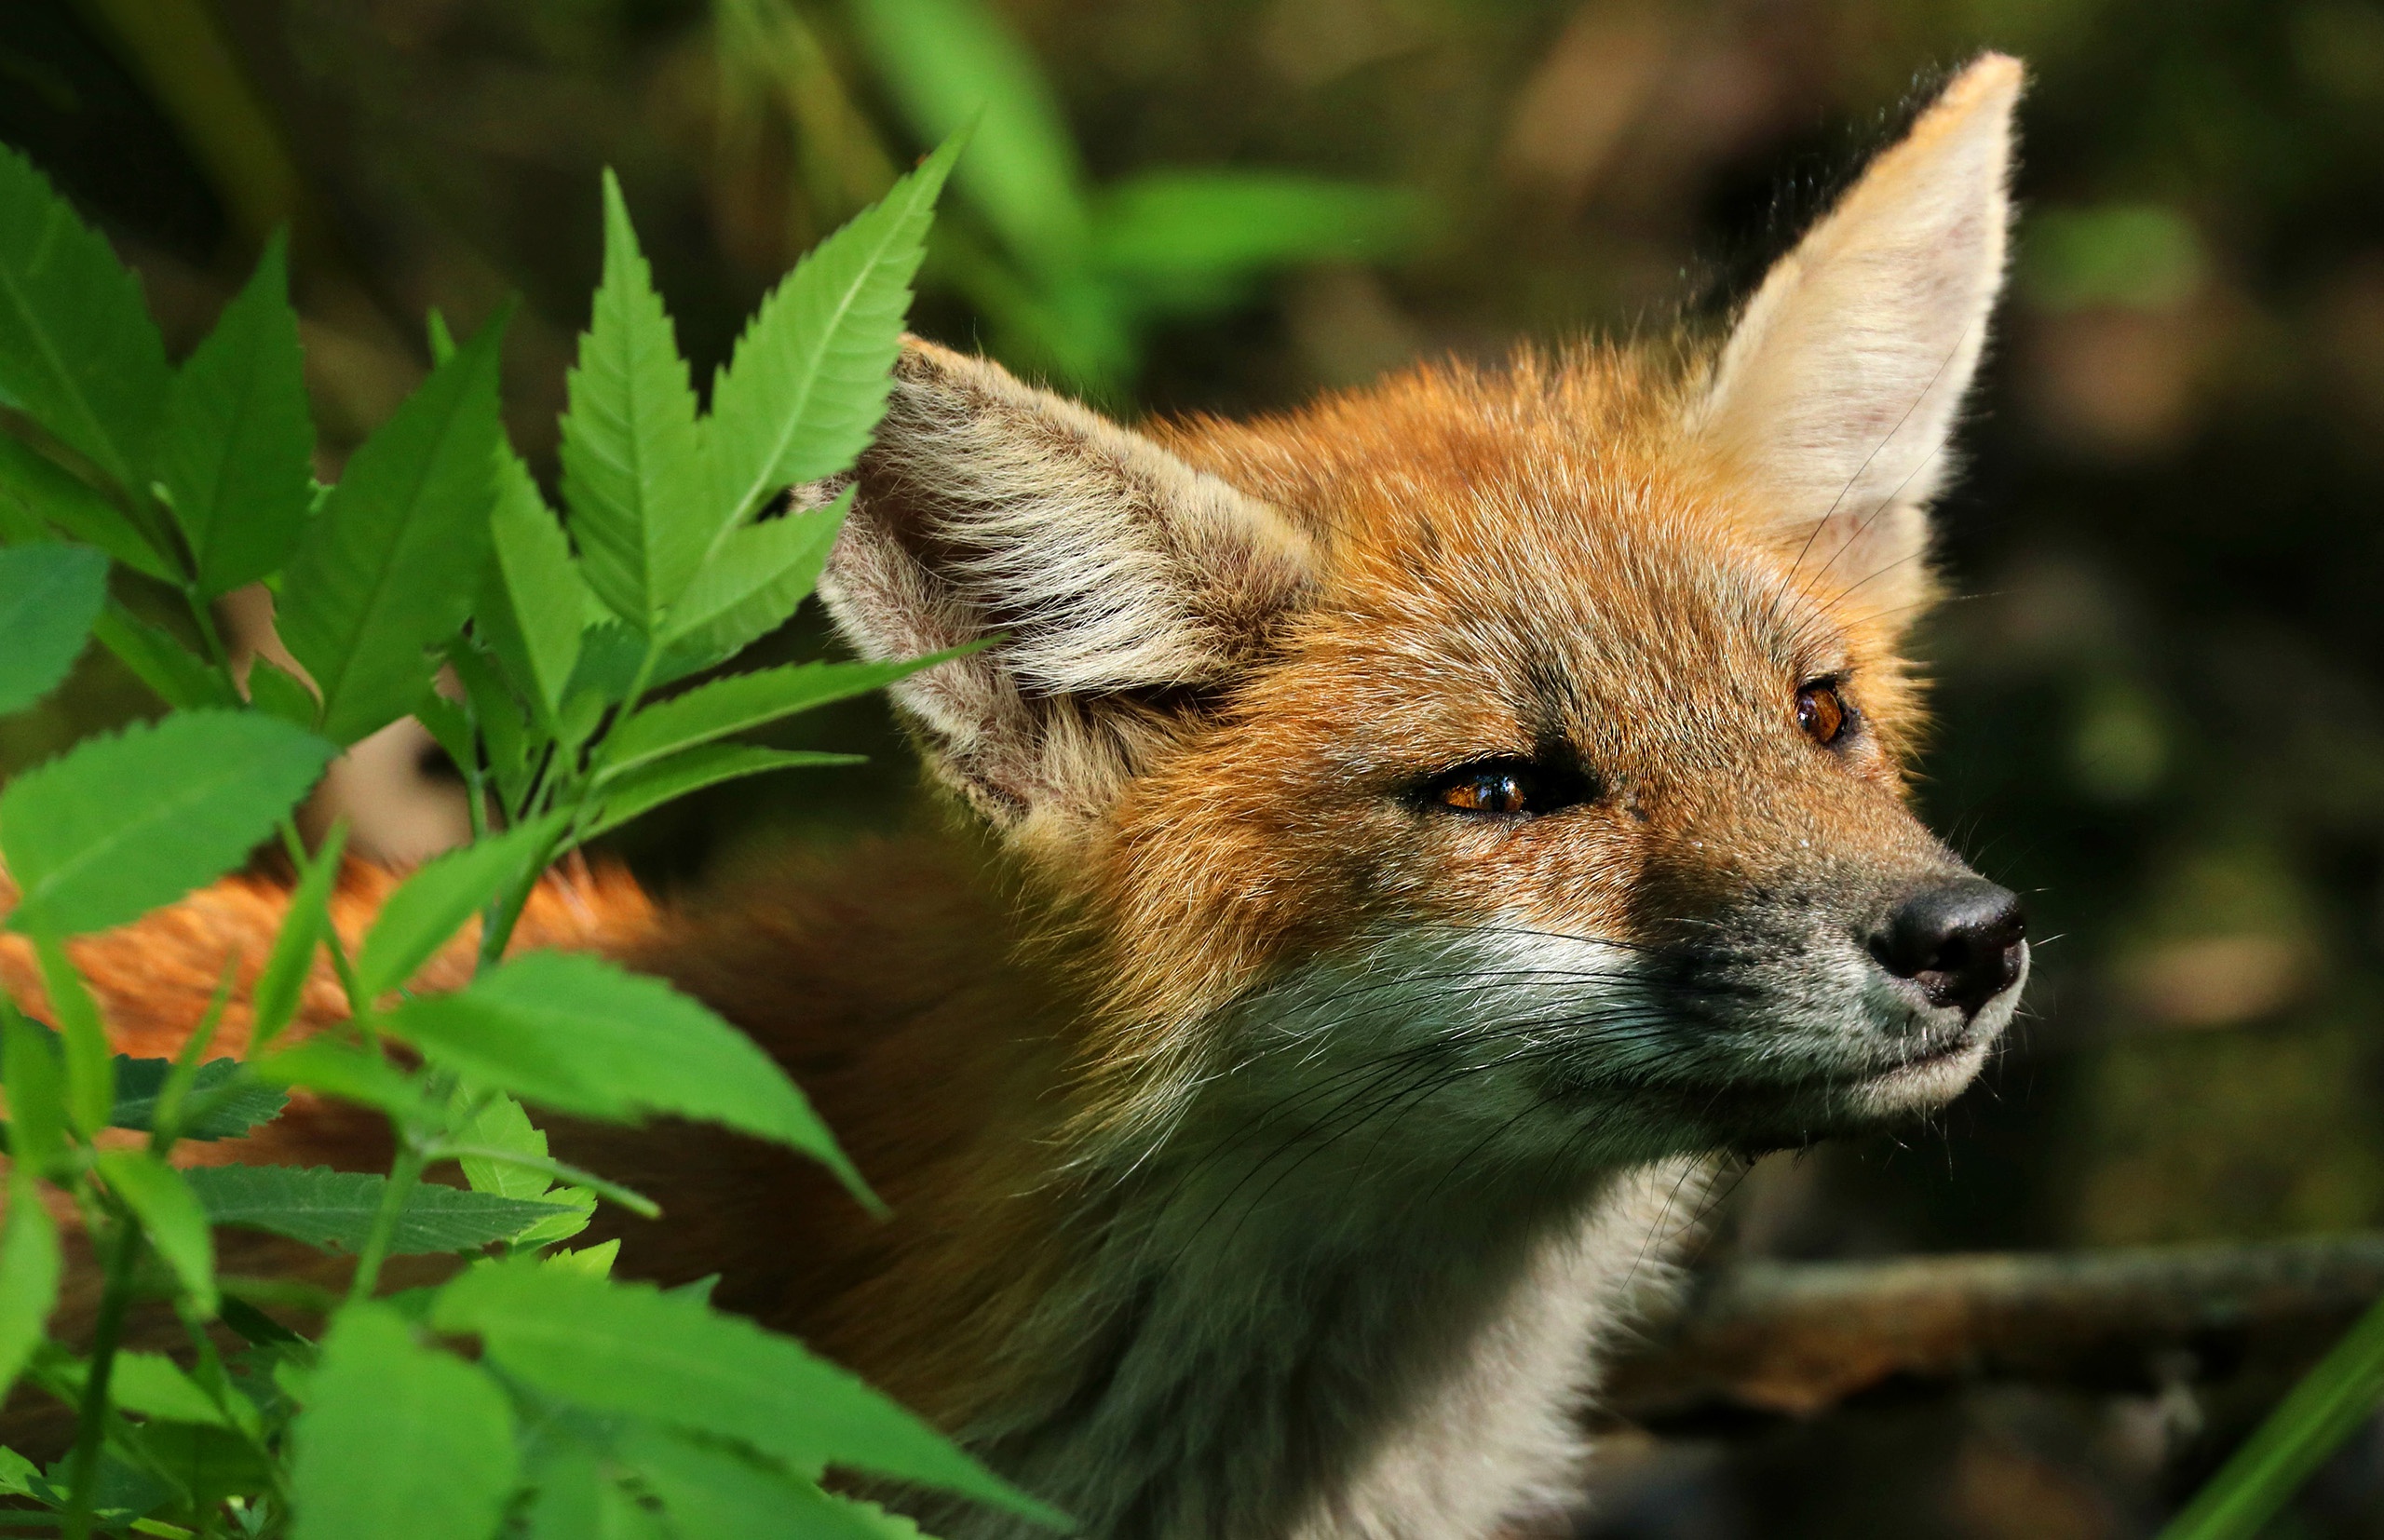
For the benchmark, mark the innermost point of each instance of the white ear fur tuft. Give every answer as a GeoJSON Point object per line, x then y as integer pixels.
{"type": "Point", "coordinates": [1114, 573]}
{"type": "Point", "coordinates": [1836, 396]}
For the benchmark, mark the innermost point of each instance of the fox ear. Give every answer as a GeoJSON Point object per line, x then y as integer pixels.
{"type": "Point", "coordinates": [1113, 583]}
{"type": "Point", "coordinates": [1836, 395]}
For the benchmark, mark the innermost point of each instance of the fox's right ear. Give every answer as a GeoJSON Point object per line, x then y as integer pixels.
{"type": "Point", "coordinates": [1836, 396]}
{"type": "Point", "coordinates": [1121, 583]}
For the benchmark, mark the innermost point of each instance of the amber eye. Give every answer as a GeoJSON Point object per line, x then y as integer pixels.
{"type": "Point", "coordinates": [1500, 792]}
{"type": "Point", "coordinates": [1820, 713]}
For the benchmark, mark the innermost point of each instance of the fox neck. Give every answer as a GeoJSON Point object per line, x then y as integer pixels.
{"type": "Point", "coordinates": [1296, 1309]}
{"type": "Point", "coordinates": [1238, 1351]}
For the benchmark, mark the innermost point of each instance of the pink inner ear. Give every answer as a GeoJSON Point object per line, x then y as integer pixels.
{"type": "Point", "coordinates": [1839, 393]}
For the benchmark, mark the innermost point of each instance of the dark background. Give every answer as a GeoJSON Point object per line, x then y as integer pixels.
{"type": "Point", "coordinates": [2159, 686]}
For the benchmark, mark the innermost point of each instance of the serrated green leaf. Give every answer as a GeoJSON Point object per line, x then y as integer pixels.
{"type": "Point", "coordinates": [281, 986]}
{"type": "Point", "coordinates": [429, 906]}
{"type": "Point", "coordinates": [78, 348]}
{"type": "Point", "coordinates": [712, 1492]}
{"type": "Point", "coordinates": [30, 1266]}
{"type": "Point", "coordinates": [35, 1078]}
{"type": "Point", "coordinates": [749, 586]}
{"type": "Point", "coordinates": [221, 1113]}
{"type": "Point", "coordinates": [632, 459]}
{"type": "Point", "coordinates": [741, 702]}
{"type": "Point", "coordinates": [399, 1441]}
{"type": "Point", "coordinates": [280, 694]}
{"type": "Point", "coordinates": [178, 677]}
{"type": "Point", "coordinates": [808, 381]}
{"type": "Point", "coordinates": [536, 600]}
{"type": "Point", "coordinates": [236, 450]}
{"type": "Point", "coordinates": [121, 824]}
{"type": "Point", "coordinates": [388, 568]}
{"type": "Point", "coordinates": [953, 62]}
{"type": "Point", "coordinates": [169, 1215]}
{"type": "Point", "coordinates": [579, 1034]}
{"type": "Point", "coordinates": [50, 595]}
{"type": "Point", "coordinates": [335, 1209]}
{"type": "Point", "coordinates": [650, 786]}
{"type": "Point", "coordinates": [630, 1348]}
{"type": "Point", "coordinates": [47, 493]}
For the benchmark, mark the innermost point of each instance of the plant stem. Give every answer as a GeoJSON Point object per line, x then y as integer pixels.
{"type": "Point", "coordinates": [404, 1172]}
{"type": "Point", "coordinates": [90, 1427]}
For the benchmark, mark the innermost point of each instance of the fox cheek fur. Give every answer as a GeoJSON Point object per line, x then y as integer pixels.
{"type": "Point", "coordinates": [1431, 826]}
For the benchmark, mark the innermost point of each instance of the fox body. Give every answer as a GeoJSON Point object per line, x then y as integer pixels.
{"type": "Point", "coordinates": [1414, 839]}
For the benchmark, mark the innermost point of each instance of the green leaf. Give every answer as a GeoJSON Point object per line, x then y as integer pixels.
{"type": "Point", "coordinates": [536, 600]}
{"type": "Point", "coordinates": [429, 906]}
{"type": "Point", "coordinates": [280, 694]}
{"type": "Point", "coordinates": [502, 1125]}
{"type": "Point", "coordinates": [579, 1034]}
{"type": "Point", "coordinates": [630, 1348]}
{"type": "Point", "coordinates": [741, 702]}
{"type": "Point", "coordinates": [78, 349]}
{"type": "Point", "coordinates": [808, 381]}
{"type": "Point", "coordinates": [49, 494]}
{"type": "Point", "coordinates": [90, 1072]}
{"type": "Point", "coordinates": [953, 62]}
{"type": "Point", "coordinates": [632, 459]}
{"type": "Point", "coordinates": [35, 1078]}
{"type": "Point", "coordinates": [350, 1074]}
{"type": "Point", "coordinates": [579, 1499]}
{"type": "Point", "coordinates": [505, 732]}
{"type": "Point", "coordinates": [153, 1385]}
{"type": "Point", "coordinates": [716, 1494]}
{"type": "Point", "coordinates": [650, 786]}
{"type": "Point", "coordinates": [1189, 235]}
{"type": "Point", "coordinates": [179, 677]}
{"type": "Point", "coordinates": [50, 595]}
{"type": "Point", "coordinates": [170, 1213]}
{"type": "Point", "coordinates": [755, 580]}
{"type": "Point", "coordinates": [2330, 1404]}
{"type": "Point", "coordinates": [388, 568]}
{"type": "Point", "coordinates": [399, 1441]}
{"type": "Point", "coordinates": [221, 1113]}
{"type": "Point", "coordinates": [30, 1266]}
{"type": "Point", "coordinates": [281, 988]}
{"type": "Point", "coordinates": [235, 451]}
{"type": "Point", "coordinates": [121, 824]}
{"type": "Point", "coordinates": [335, 1209]}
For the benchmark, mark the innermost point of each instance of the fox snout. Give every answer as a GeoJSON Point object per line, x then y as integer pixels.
{"type": "Point", "coordinates": [1960, 943]}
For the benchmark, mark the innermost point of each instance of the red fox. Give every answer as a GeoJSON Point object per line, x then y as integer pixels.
{"type": "Point", "coordinates": [1417, 837]}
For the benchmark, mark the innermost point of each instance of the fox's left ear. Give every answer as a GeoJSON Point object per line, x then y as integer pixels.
{"type": "Point", "coordinates": [1836, 398]}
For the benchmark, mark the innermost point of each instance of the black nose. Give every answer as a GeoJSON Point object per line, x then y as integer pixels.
{"type": "Point", "coordinates": [1960, 941]}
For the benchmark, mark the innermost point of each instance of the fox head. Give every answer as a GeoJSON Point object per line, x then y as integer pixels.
{"type": "Point", "coordinates": [1515, 757]}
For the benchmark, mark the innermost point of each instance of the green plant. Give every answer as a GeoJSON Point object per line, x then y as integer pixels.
{"type": "Point", "coordinates": [1070, 275]}
{"type": "Point", "coordinates": [531, 1394]}
{"type": "Point", "coordinates": [2330, 1404]}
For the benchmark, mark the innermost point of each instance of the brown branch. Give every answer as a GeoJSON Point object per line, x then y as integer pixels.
{"type": "Point", "coordinates": [1797, 1337]}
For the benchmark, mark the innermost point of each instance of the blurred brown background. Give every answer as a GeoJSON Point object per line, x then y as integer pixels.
{"type": "Point", "coordinates": [2163, 686]}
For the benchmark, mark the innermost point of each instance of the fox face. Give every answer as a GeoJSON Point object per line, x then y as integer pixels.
{"type": "Point", "coordinates": [1516, 755]}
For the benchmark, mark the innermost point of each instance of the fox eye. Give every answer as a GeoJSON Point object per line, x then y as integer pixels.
{"type": "Point", "coordinates": [1822, 713]}
{"type": "Point", "coordinates": [1500, 792]}
{"type": "Point", "coordinates": [1505, 788]}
